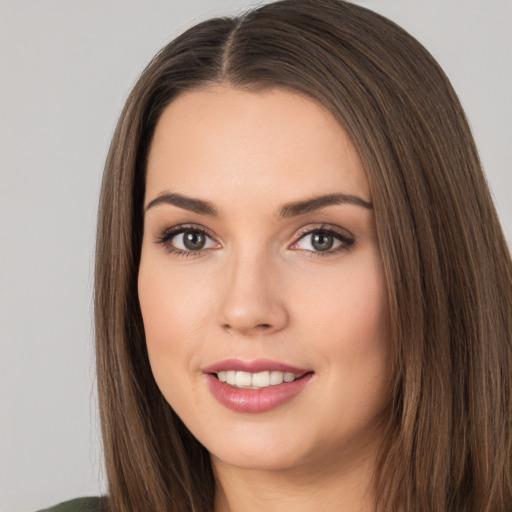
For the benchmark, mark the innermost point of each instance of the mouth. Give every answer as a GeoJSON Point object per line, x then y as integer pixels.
{"type": "Point", "coordinates": [255, 386]}
{"type": "Point", "coordinates": [259, 380]}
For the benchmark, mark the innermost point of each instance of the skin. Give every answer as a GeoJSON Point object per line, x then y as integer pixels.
{"type": "Point", "coordinates": [260, 289]}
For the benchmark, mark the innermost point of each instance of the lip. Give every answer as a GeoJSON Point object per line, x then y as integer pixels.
{"type": "Point", "coordinates": [255, 366]}
{"type": "Point", "coordinates": [255, 401]}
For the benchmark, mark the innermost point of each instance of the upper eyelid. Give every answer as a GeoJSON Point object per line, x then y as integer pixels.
{"type": "Point", "coordinates": [165, 237]}
{"type": "Point", "coordinates": [167, 234]}
{"type": "Point", "coordinates": [307, 228]}
{"type": "Point", "coordinates": [181, 228]}
{"type": "Point", "coordinates": [345, 238]}
{"type": "Point", "coordinates": [337, 230]}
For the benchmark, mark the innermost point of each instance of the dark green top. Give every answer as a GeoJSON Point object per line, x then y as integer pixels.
{"type": "Point", "coordinates": [77, 505]}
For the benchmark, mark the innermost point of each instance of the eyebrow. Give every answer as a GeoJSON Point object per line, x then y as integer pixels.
{"type": "Point", "coordinates": [187, 203]}
{"type": "Point", "coordinates": [292, 209]}
{"type": "Point", "coordinates": [317, 203]}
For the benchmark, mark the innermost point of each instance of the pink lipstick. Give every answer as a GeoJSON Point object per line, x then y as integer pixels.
{"type": "Point", "coordinates": [255, 386]}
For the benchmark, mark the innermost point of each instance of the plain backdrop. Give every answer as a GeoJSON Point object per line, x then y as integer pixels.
{"type": "Point", "coordinates": [66, 68]}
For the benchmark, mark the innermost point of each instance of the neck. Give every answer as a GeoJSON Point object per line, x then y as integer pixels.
{"type": "Point", "coordinates": [317, 487]}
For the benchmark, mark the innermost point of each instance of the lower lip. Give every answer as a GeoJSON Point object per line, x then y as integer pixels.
{"type": "Point", "coordinates": [255, 400]}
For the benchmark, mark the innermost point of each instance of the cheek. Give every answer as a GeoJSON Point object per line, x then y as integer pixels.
{"type": "Point", "coordinates": [174, 308]}
{"type": "Point", "coordinates": [351, 327]}
{"type": "Point", "coordinates": [173, 302]}
{"type": "Point", "coordinates": [366, 315]}
{"type": "Point", "coordinates": [369, 348]}
{"type": "Point", "coordinates": [349, 305]}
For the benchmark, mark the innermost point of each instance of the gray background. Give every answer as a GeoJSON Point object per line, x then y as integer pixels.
{"type": "Point", "coordinates": [66, 68]}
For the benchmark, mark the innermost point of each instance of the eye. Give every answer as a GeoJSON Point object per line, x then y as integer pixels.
{"type": "Point", "coordinates": [192, 241]}
{"type": "Point", "coordinates": [322, 240]}
{"type": "Point", "coordinates": [187, 240]}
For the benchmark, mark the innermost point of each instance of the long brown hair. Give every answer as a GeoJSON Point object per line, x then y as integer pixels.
{"type": "Point", "coordinates": [448, 446]}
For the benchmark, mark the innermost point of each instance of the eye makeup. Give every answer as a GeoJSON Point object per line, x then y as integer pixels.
{"type": "Point", "coordinates": [325, 240]}
{"type": "Point", "coordinates": [193, 240]}
{"type": "Point", "coordinates": [196, 240]}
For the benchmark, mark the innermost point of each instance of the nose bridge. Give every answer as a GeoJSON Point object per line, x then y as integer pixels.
{"type": "Point", "coordinates": [251, 302]}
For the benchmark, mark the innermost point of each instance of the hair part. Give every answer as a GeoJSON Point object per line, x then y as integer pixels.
{"type": "Point", "coordinates": [448, 443]}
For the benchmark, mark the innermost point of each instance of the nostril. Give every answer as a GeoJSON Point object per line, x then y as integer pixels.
{"type": "Point", "coordinates": [257, 326]}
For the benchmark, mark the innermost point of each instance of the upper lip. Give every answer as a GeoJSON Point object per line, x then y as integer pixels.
{"type": "Point", "coordinates": [254, 366]}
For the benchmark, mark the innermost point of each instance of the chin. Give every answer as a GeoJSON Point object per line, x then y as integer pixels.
{"type": "Point", "coordinates": [261, 449]}
{"type": "Point", "coordinates": [259, 459]}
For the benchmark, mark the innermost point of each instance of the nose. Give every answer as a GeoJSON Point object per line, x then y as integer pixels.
{"type": "Point", "coordinates": [252, 302]}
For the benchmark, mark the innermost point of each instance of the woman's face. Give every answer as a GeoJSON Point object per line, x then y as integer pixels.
{"type": "Point", "coordinates": [261, 284]}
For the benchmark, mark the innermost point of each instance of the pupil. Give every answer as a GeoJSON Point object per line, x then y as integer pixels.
{"type": "Point", "coordinates": [322, 242]}
{"type": "Point", "coordinates": [193, 240]}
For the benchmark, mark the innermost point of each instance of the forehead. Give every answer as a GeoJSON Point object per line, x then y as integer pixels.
{"type": "Point", "coordinates": [270, 145]}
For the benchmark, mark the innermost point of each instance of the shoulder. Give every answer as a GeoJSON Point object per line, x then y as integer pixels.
{"type": "Point", "coordinates": [77, 505]}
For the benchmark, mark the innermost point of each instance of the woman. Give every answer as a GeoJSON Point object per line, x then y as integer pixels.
{"type": "Point", "coordinates": [303, 294]}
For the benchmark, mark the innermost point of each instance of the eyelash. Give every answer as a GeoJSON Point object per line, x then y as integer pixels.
{"type": "Point", "coordinates": [346, 241]}
{"type": "Point", "coordinates": [166, 237]}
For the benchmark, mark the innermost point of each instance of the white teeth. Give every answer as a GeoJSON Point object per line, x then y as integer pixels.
{"type": "Point", "coordinates": [261, 380]}
{"type": "Point", "coordinates": [276, 378]}
{"type": "Point", "coordinates": [243, 379]}
{"type": "Point", "coordinates": [255, 380]}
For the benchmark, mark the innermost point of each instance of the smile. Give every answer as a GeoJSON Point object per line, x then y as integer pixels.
{"type": "Point", "coordinates": [260, 380]}
{"type": "Point", "coordinates": [255, 386]}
